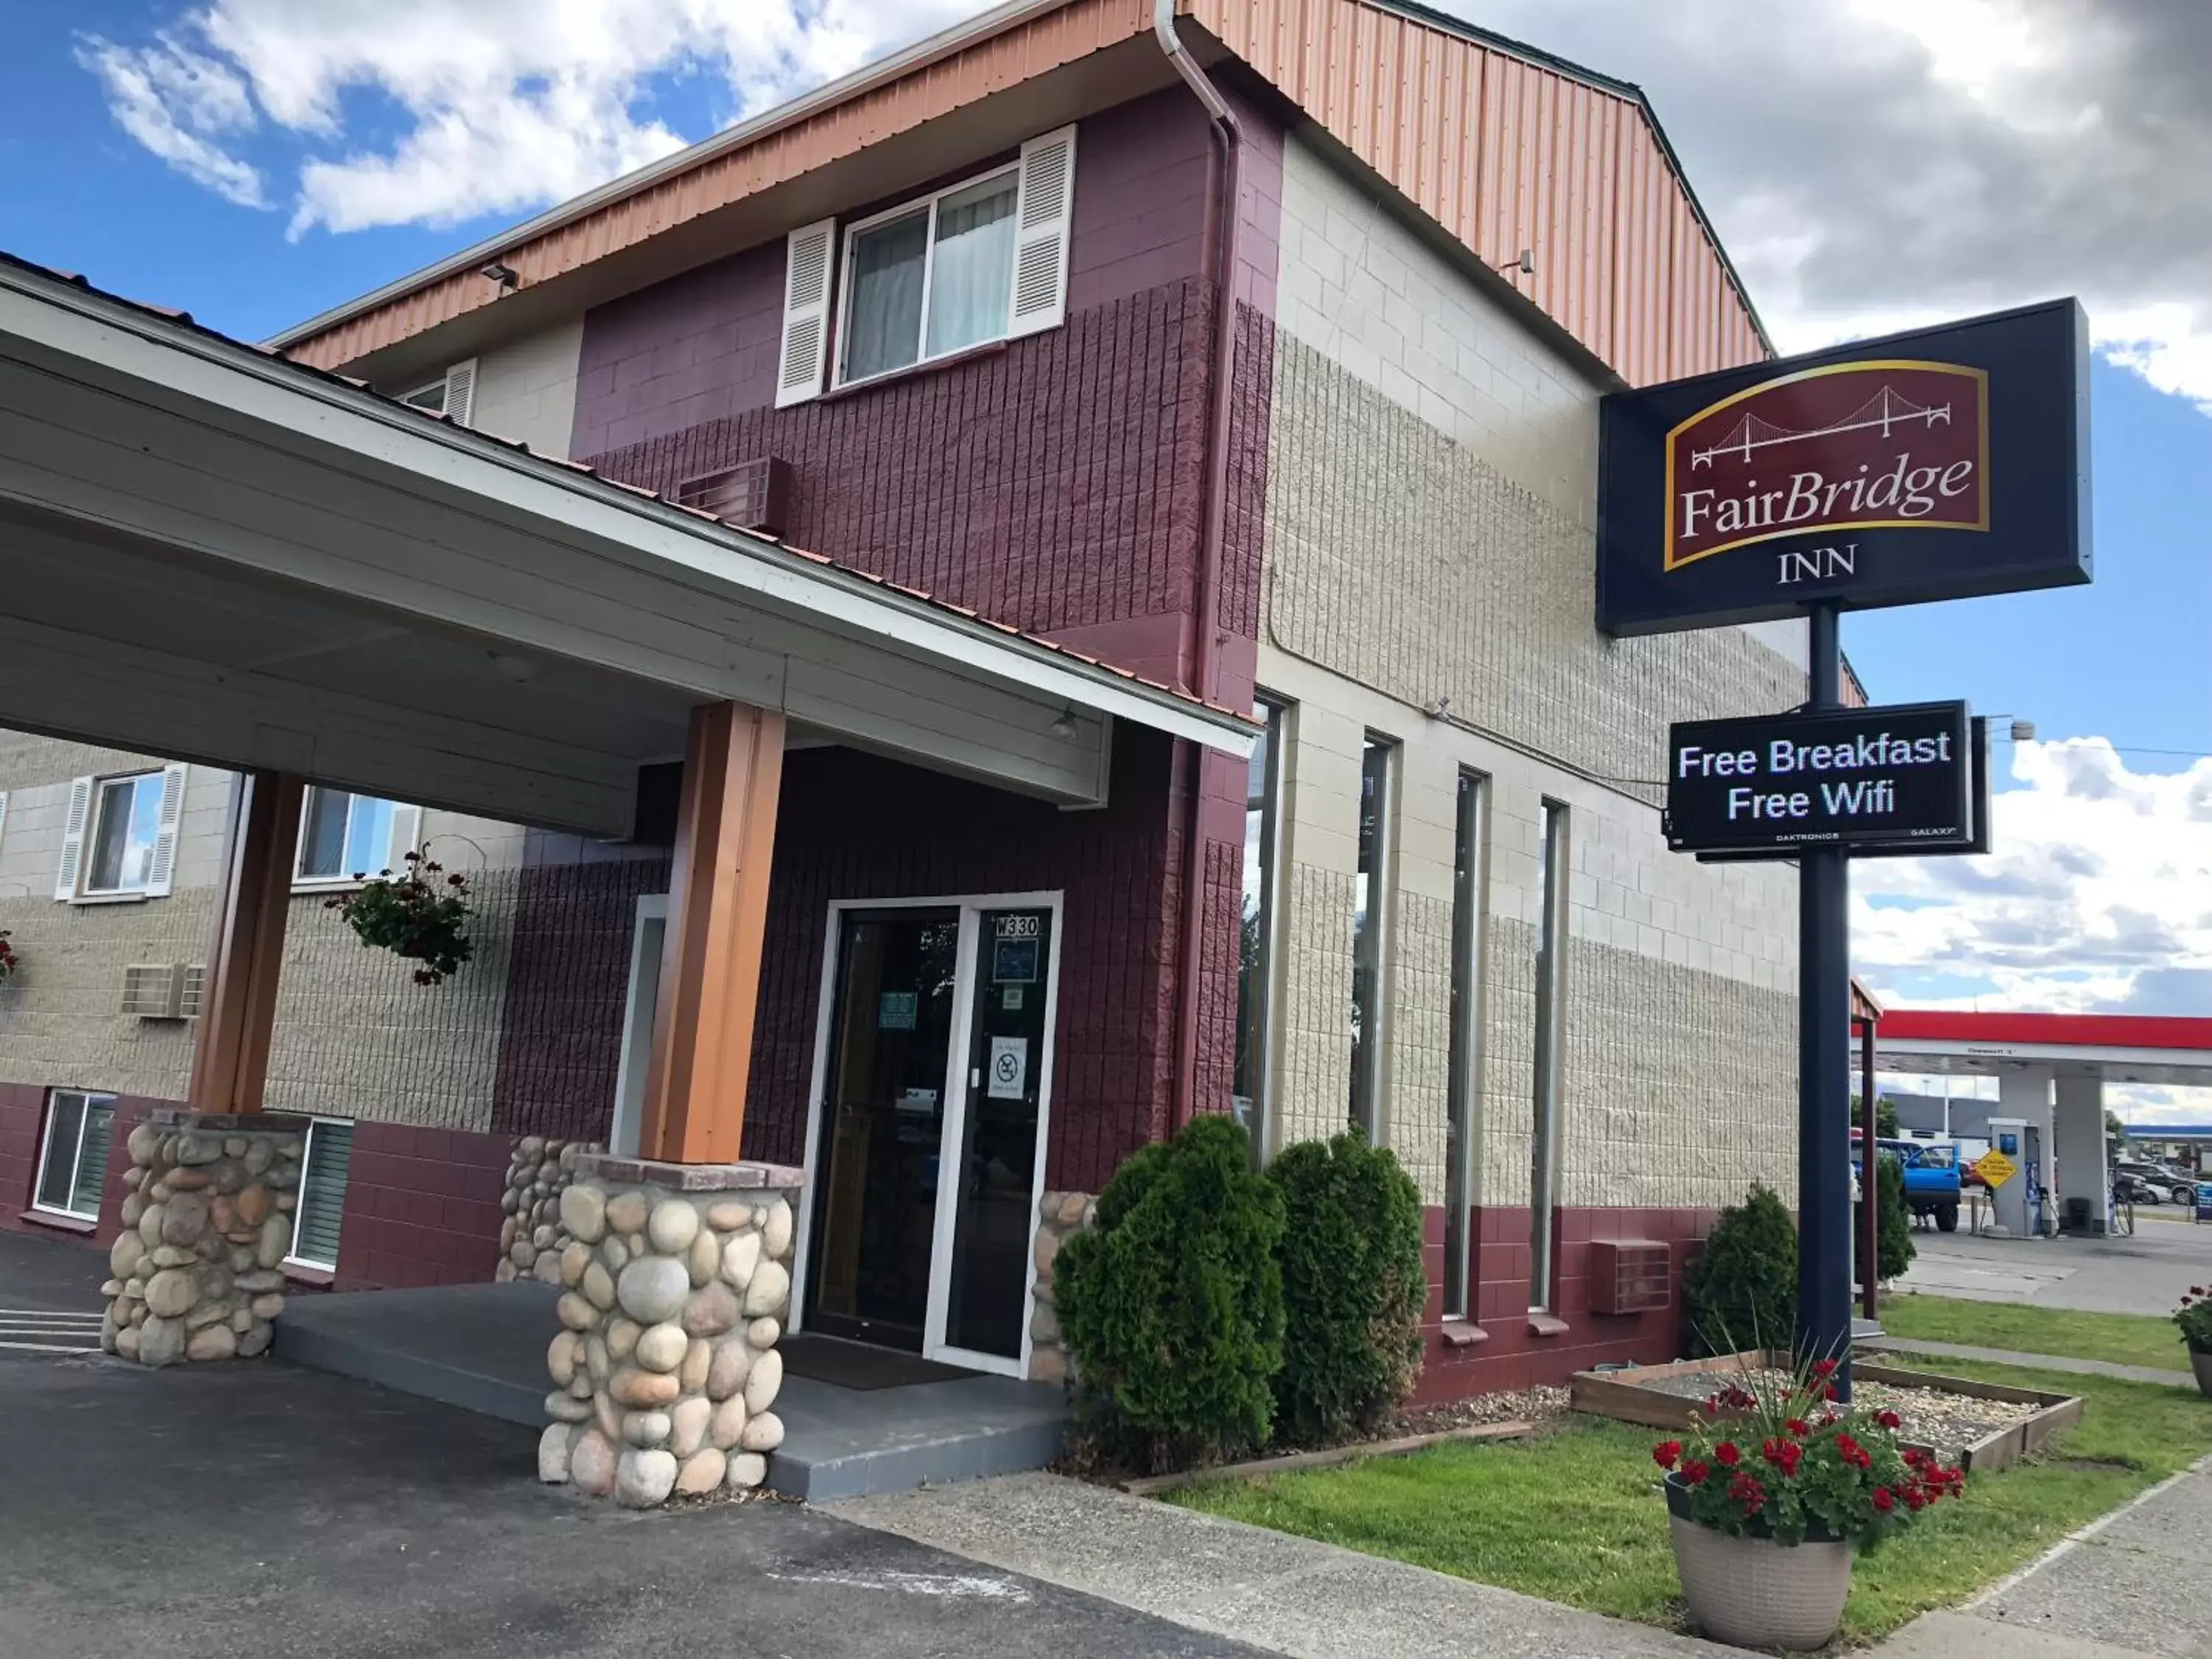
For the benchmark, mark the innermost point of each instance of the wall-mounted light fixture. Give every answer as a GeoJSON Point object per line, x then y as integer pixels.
{"type": "Point", "coordinates": [1063, 724]}
{"type": "Point", "coordinates": [501, 272]}
{"type": "Point", "coordinates": [1525, 265]}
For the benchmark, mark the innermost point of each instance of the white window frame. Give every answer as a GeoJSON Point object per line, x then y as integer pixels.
{"type": "Point", "coordinates": [860, 228]}
{"type": "Point", "coordinates": [458, 407]}
{"type": "Point", "coordinates": [156, 884]}
{"type": "Point", "coordinates": [292, 1257]}
{"type": "Point", "coordinates": [406, 822]}
{"type": "Point", "coordinates": [76, 1154]}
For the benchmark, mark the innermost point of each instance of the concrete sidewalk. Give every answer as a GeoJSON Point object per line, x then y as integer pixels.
{"type": "Point", "coordinates": [2033, 1361]}
{"type": "Point", "coordinates": [1285, 1595]}
{"type": "Point", "coordinates": [2125, 1587]}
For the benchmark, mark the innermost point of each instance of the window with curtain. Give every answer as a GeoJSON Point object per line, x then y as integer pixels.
{"type": "Point", "coordinates": [1376, 758]}
{"type": "Point", "coordinates": [930, 279]}
{"type": "Point", "coordinates": [125, 826]}
{"type": "Point", "coordinates": [1465, 1009]}
{"type": "Point", "coordinates": [73, 1162]}
{"type": "Point", "coordinates": [343, 836]}
{"type": "Point", "coordinates": [1551, 987]}
{"type": "Point", "coordinates": [1249, 1090]}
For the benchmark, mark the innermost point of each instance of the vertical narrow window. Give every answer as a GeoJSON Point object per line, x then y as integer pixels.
{"type": "Point", "coordinates": [1544, 1128]}
{"type": "Point", "coordinates": [73, 1162]}
{"type": "Point", "coordinates": [320, 1217]}
{"type": "Point", "coordinates": [1466, 1011]}
{"type": "Point", "coordinates": [1369, 953]}
{"type": "Point", "coordinates": [1262, 790]}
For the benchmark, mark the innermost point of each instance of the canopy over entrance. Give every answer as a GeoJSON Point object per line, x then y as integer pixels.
{"type": "Point", "coordinates": [212, 553]}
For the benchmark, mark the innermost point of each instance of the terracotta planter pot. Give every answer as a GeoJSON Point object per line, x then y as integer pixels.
{"type": "Point", "coordinates": [1754, 1592]}
{"type": "Point", "coordinates": [2200, 1363]}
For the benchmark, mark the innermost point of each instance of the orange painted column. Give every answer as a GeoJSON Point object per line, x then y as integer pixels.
{"type": "Point", "coordinates": [702, 1026]}
{"type": "Point", "coordinates": [238, 1010]}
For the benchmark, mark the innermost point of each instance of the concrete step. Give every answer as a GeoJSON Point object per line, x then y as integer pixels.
{"type": "Point", "coordinates": [481, 1347]}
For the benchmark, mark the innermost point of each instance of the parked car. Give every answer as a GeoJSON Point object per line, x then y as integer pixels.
{"type": "Point", "coordinates": [1933, 1179]}
{"type": "Point", "coordinates": [2135, 1189]}
{"type": "Point", "coordinates": [2168, 1185]}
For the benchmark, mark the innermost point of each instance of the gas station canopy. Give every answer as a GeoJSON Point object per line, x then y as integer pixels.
{"type": "Point", "coordinates": [2112, 1047]}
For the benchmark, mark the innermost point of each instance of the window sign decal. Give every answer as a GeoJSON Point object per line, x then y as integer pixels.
{"type": "Point", "coordinates": [1010, 1068]}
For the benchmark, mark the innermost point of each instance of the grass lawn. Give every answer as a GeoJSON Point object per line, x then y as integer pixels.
{"type": "Point", "coordinates": [2123, 1338]}
{"type": "Point", "coordinates": [1578, 1517]}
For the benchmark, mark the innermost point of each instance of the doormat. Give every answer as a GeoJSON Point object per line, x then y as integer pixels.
{"type": "Point", "coordinates": [860, 1366]}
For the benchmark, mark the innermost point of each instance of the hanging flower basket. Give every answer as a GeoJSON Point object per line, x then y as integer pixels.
{"type": "Point", "coordinates": [421, 916]}
{"type": "Point", "coordinates": [1769, 1509]}
{"type": "Point", "coordinates": [9, 959]}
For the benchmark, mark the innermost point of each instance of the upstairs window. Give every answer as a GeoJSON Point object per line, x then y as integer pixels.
{"type": "Point", "coordinates": [981, 260]}
{"type": "Point", "coordinates": [119, 839]}
{"type": "Point", "coordinates": [452, 394]}
{"type": "Point", "coordinates": [344, 837]}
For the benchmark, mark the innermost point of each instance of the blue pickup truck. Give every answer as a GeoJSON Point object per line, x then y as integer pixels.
{"type": "Point", "coordinates": [1933, 1180]}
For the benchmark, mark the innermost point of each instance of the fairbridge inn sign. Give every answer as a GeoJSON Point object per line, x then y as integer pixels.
{"type": "Point", "coordinates": [1939, 464]}
{"type": "Point", "coordinates": [1933, 465]}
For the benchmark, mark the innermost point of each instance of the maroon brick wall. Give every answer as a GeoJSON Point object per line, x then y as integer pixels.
{"type": "Point", "coordinates": [1513, 1356]}
{"type": "Point", "coordinates": [569, 984]}
{"type": "Point", "coordinates": [853, 826]}
{"type": "Point", "coordinates": [22, 1119]}
{"type": "Point", "coordinates": [421, 1208]}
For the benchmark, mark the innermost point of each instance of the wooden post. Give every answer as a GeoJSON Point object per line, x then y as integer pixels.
{"type": "Point", "coordinates": [237, 1009]}
{"type": "Point", "coordinates": [702, 1022]}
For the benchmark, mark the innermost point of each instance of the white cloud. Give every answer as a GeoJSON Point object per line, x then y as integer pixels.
{"type": "Point", "coordinates": [434, 111]}
{"type": "Point", "coordinates": [177, 101]}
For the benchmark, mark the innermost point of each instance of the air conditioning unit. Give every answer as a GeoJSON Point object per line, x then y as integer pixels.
{"type": "Point", "coordinates": [154, 990]}
{"type": "Point", "coordinates": [753, 495]}
{"type": "Point", "coordinates": [192, 991]}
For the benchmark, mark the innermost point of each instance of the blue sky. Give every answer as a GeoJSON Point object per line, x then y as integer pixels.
{"type": "Point", "coordinates": [254, 162]}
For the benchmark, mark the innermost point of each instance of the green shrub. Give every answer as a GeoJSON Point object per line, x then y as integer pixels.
{"type": "Point", "coordinates": [1172, 1302]}
{"type": "Point", "coordinates": [1894, 1246]}
{"type": "Point", "coordinates": [1352, 1287]}
{"type": "Point", "coordinates": [1741, 1288]}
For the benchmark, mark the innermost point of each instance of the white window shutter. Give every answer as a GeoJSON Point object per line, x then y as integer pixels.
{"type": "Point", "coordinates": [3, 814]}
{"type": "Point", "coordinates": [461, 393]}
{"type": "Point", "coordinates": [406, 825]}
{"type": "Point", "coordinates": [165, 839]}
{"type": "Point", "coordinates": [1043, 212]}
{"type": "Point", "coordinates": [808, 263]}
{"type": "Point", "coordinates": [73, 832]}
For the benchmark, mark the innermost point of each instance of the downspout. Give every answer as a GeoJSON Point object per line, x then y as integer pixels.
{"type": "Point", "coordinates": [1206, 600]}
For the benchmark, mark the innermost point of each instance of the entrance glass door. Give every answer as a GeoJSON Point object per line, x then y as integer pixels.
{"type": "Point", "coordinates": [987, 1289]}
{"type": "Point", "coordinates": [883, 1122]}
{"type": "Point", "coordinates": [935, 1088]}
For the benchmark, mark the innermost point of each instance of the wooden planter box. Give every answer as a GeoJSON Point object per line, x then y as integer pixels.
{"type": "Point", "coordinates": [1618, 1394]}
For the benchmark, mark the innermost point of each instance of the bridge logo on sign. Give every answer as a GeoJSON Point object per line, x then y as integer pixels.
{"type": "Point", "coordinates": [1885, 444]}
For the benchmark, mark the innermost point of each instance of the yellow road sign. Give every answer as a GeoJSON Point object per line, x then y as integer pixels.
{"type": "Point", "coordinates": [1996, 1168]}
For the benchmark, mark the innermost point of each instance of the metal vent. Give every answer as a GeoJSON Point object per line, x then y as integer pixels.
{"type": "Point", "coordinates": [752, 495]}
{"type": "Point", "coordinates": [153, 990]}
{"type": "Point", "coordinates": [192, 992]}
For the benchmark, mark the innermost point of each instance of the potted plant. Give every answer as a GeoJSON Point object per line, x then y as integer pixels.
{"type": "Point", "coordinates": [2194, 1316]}
{"type": "Point", "coordinates": [1773, 1493]}
{"type": "Point", "coordinates": [414, 915]}
{"type": "Point", "coordinates": [7, 958]}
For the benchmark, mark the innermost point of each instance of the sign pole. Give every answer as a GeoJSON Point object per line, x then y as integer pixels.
{"type": "Point", "coordinates": [1824, 1015]}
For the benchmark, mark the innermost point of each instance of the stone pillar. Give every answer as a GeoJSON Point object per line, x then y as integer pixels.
{"type": "Point", "coordinates": [678, 1282]}
{"type": "Point", "coordinates": [199, 1267]}
{"type": "Point", "coordinates": [2084, 1171]}
{"type": "Point", "coordinates": [530, 1236]}
{"type": "Point", "coordinates": [1060, 1217]}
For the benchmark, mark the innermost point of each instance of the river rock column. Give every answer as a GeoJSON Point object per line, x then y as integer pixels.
{"type": "Point", "coordinates": [1060, 1217]}
{"type": "Point", "coordinates": [677, 1283]}
{"type": "Point", "coordinates": [198, 1270]}
{"type": "Point", "coordinates": [531, 1239]}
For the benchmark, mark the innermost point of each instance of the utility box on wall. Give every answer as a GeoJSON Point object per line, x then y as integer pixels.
{"type": "Point", "coordinates": [1631, 1276]}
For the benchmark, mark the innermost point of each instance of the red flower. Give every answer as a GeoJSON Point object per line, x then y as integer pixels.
{"type": "Point", "coordinates": [1884, 1499]}
{"type": "Point", "coordinates": [1666, 1452]}
{"type": "Point", "coordinates": [1784, 1455]}
{"type": "Point", "coordinates": [1713, 1405]}
{"type": "Point", "coordinates": [1824, 1368]}
{"type": "Point", "coordinates": [414, 858]}
{"type": "Point", "coordinates": [1828, 1392]}
{"type": "Point", "coordinates": [1890, 1420]}
{"type": "Point", "coordinates": [1915, 1457]}
{"type": "Point", "coordinates": [2197, 1290]}
{"type": "Point", "coordinates": [457, 881]}
{"type": "Point", "coordinates": [1915, 1499]}
{"type": "Point", "coordinates": [1798, 1427]}
{"type": "Point", "coordinates": [1695, 1470]}
{"type": "Point", "coordinates": [424, 976]}
{"type": "Point", "coordinates": [1726, 1454]}
{"type": "Point", "coordinates": [1748, 1492]}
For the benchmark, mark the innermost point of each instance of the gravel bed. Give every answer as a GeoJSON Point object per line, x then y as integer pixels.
{"type": "Point", "coordinates": [1945, 1422]}
{"type": "Point", "coordinates": [1543, 1406]}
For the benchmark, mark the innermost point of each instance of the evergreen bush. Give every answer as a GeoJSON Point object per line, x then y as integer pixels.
{"type": "Point", "coordinates": [1741, 1290]}
{"type": "Point", "coordinates": [1353, 1287]}
{"type": "Point", "coordinates": [1172, 1302]}
{"type": "Point", "coordinates": [1894, 1246]}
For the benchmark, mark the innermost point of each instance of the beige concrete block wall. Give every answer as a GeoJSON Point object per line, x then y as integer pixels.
{"type": "Point", "coordinates": [527, 389]}
{"type": "Point", "coordinates": [1430, 535]}
{"type": "Point", "coordinates": [354, 1037]}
